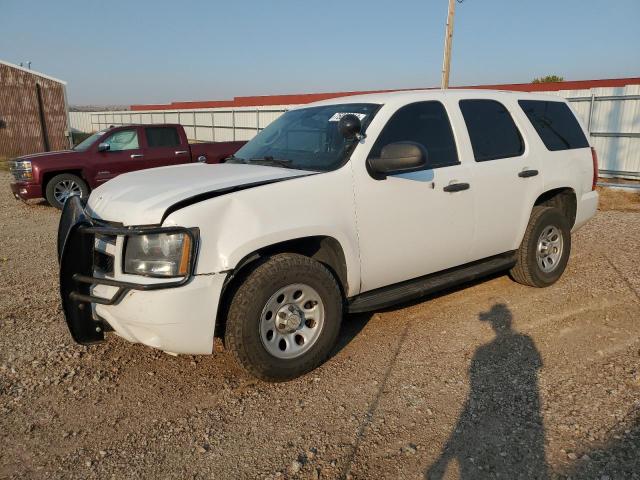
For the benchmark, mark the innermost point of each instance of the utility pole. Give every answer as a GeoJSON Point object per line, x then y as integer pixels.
{"type": "Point", "coordinates": [448, 40]}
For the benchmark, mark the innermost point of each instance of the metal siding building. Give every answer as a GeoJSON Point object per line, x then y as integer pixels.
{"type": "Point", "coordinates": [33, 112]}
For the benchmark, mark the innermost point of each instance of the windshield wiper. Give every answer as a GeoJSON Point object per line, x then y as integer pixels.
{"type": "Point", "coordinates": [269, 160]}
{"type": "Point", "coordinates": [233, 159]}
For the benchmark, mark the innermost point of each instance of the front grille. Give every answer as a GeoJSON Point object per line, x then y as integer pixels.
{"type": "Point", "coordinates": [103, 262]}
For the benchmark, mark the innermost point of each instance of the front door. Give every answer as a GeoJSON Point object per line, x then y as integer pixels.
{"type": "Point", "coordinates": [124, 155]}
{"type": "Point", "coordinates": [413, 224]}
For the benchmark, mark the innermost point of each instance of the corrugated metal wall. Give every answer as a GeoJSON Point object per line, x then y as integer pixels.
{"type": "Point", "coordinates": [29, 124]}
{"type": "Point", "coordinates": [81, 122]}
{"type": "Point", "coordinates": [612, 116]}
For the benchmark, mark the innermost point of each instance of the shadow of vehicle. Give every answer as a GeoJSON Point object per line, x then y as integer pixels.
{"type": "Point", "coordinates": [499, 433]}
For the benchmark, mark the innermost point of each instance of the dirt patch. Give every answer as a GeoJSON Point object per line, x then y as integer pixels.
{"type": "Point", "coordinates": [620, 200]}
{"type": "Point", "coordinates": [492, 380]}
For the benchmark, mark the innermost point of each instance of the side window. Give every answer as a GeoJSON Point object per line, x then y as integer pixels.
{"type": "Point", "coordinates": [162, 137]}
{"type": "Point", "coordinates": [555, 123]}
{"type": "Point", "coordinates": [491, 129]}
{"type": "Point", "coordinates": [426, 123]}
{"type": "Point", "coordinates": [123, 140]}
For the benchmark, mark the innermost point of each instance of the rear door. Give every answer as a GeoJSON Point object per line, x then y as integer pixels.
{"type": "Point", "coordinates": [413, 224]}
{"type": "Point", "coordinates": [124, 155]}
{"type": "Point", "coordinates": [506, 175]}
{"type": "Point", "coordinates": [164, 146]}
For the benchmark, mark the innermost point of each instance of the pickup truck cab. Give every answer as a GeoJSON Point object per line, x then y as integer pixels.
{"type": "Point", "coordinates": [58, 175]}
{"type": "Point", "coordinates": [350, 204]}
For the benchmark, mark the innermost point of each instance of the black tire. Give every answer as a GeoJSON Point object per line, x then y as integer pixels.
{"type": "Point", "coordinates": [59, 180]}
{"type": "Point", "coordinates": [243, 333]}
{"type": "Point", "coordinates": [527, 270]}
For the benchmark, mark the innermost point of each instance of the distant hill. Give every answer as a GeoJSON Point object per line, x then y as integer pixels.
{"type": "Point", "coordinates": [97, 108]}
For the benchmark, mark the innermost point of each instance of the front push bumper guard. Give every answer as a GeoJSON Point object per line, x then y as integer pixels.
{"type": "Point", "coordinates": [76, 241]}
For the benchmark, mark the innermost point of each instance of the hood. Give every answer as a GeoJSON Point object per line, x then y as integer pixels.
{"type": "Point", "coordinates": [143, 197]}
{"type": "Point", "coordinates": [46, 155]}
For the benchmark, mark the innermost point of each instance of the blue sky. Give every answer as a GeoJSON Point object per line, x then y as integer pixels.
{"type": "Point", "coordinates": [144, 51]}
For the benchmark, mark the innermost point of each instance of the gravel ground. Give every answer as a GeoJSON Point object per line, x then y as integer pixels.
{"type": "Point", "coordinates": [495, 380]}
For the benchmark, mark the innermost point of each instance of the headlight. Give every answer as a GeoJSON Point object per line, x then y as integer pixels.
{"type": "Point", "coordinates": [158, 255]}
{"type": "Point", "coordinates": [21, 170]}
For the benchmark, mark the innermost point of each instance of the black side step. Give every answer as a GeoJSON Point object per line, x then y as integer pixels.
{"type": "Point", "coordinates": [419, 287]}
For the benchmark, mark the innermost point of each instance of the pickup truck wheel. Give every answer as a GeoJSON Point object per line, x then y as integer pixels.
{"type": "Point", "coordinates": [63, 186]}
{"type": "Point", "coordinates": [284, 319]}
{"type": "Point", "coordinates": [544, 252]}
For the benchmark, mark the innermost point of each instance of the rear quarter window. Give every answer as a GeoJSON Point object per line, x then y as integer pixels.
{"type": "Point", "coordinates": [555, 123]}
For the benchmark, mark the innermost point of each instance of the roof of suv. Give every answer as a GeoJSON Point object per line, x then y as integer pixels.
{"type": "Point", "coordinates": [432, 94]}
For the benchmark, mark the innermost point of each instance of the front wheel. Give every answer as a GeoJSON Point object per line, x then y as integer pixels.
{"type": "Point", "coordinates": [63, 186]}
{"type": "Point", "coordinates": [284, 319]}
{"type": "Point", "coordinates": [545, 248]}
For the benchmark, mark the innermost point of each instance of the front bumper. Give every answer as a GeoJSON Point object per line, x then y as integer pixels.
{"type": "Point", "coordinates": [175, 315]}
{"type": "Point", "coordinates": [26, 191]}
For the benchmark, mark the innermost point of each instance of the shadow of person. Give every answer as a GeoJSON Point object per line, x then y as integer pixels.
{"type": "Point", "coordinates": [500, 432]}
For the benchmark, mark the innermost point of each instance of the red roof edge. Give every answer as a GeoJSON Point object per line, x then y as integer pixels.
{"type": "Point", "coordinates": [297, 99]}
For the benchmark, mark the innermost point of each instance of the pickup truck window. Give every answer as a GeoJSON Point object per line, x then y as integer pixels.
{"type": "Point", "coordinates": [306, 138]}
{"type": "Point", "coordinates": [426, 123]}
{"type": "Point", "coordinates": [84, 145]}
{"type": "Point", "coordinates": [123, 140]}
{"type": "Point", "coordinates": [162, 137]}
{"type": "Point", "coordinates": [555, 123]}
{"type": "Point", "coordinates": [491, 129]}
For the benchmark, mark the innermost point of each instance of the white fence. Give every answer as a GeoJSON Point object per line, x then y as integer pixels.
{"type": "Point", "coordinates": [81, 122]}
{"type": "Point", "coordinates": [201, 125]}
{"type": "Point", "coordinates": [611, 115]}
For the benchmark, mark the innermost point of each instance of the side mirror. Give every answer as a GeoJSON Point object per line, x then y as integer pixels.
{"type": "Point", "coordinates": [350, 126]}
{"type": "Point", "coordinates": [103, 147]}
{"type": "Point", "coordinates": [398, 157]}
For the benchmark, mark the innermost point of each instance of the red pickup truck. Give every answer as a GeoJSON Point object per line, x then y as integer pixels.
{"type": "Point", "coordinates": [58, 175]}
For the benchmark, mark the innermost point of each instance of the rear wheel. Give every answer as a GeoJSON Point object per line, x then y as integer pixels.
{"type": "Point", "coordinates": [63, 186]}
{"type": "Point", "coordinates": [284, 319]}
{"type": "Point", "coordinates": [545, 248]}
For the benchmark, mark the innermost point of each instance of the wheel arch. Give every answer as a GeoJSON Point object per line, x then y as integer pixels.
{"type": "Point", "coordinates": [48, 175]}
{"type": "Point", "coordinates": [562, 198]}
{"type": "Point", "coordinates": [325, 249]}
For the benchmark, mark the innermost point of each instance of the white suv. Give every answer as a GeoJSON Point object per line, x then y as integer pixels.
{"type": "Point", "coordinates": [350, 204]}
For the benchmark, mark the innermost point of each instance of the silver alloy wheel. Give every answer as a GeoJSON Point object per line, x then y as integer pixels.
{"type": "Point", "coordinates": [549, 249]}
{"type": "Point", "coordinates": [291, 321]}
{"type": "Point", "coordinates": [65, 189]}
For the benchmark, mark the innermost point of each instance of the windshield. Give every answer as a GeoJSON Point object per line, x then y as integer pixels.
{"type": "Point", "coordinates": [306, 138]}
{"type": "Point", "coordinates": [87, 142]}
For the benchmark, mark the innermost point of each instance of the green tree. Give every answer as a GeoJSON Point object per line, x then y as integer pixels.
{"type": "Point", "coordinates": [548, 78]}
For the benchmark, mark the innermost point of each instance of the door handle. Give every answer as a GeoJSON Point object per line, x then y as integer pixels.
{"type": "Point", "coordinates": [528, 173]}
{"type": "Point", "coordinates": [137, 155]}
{"type": "Point", "coordinates": [456, 187]}
{"type": "Point", "coordinates": [181, 152]}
